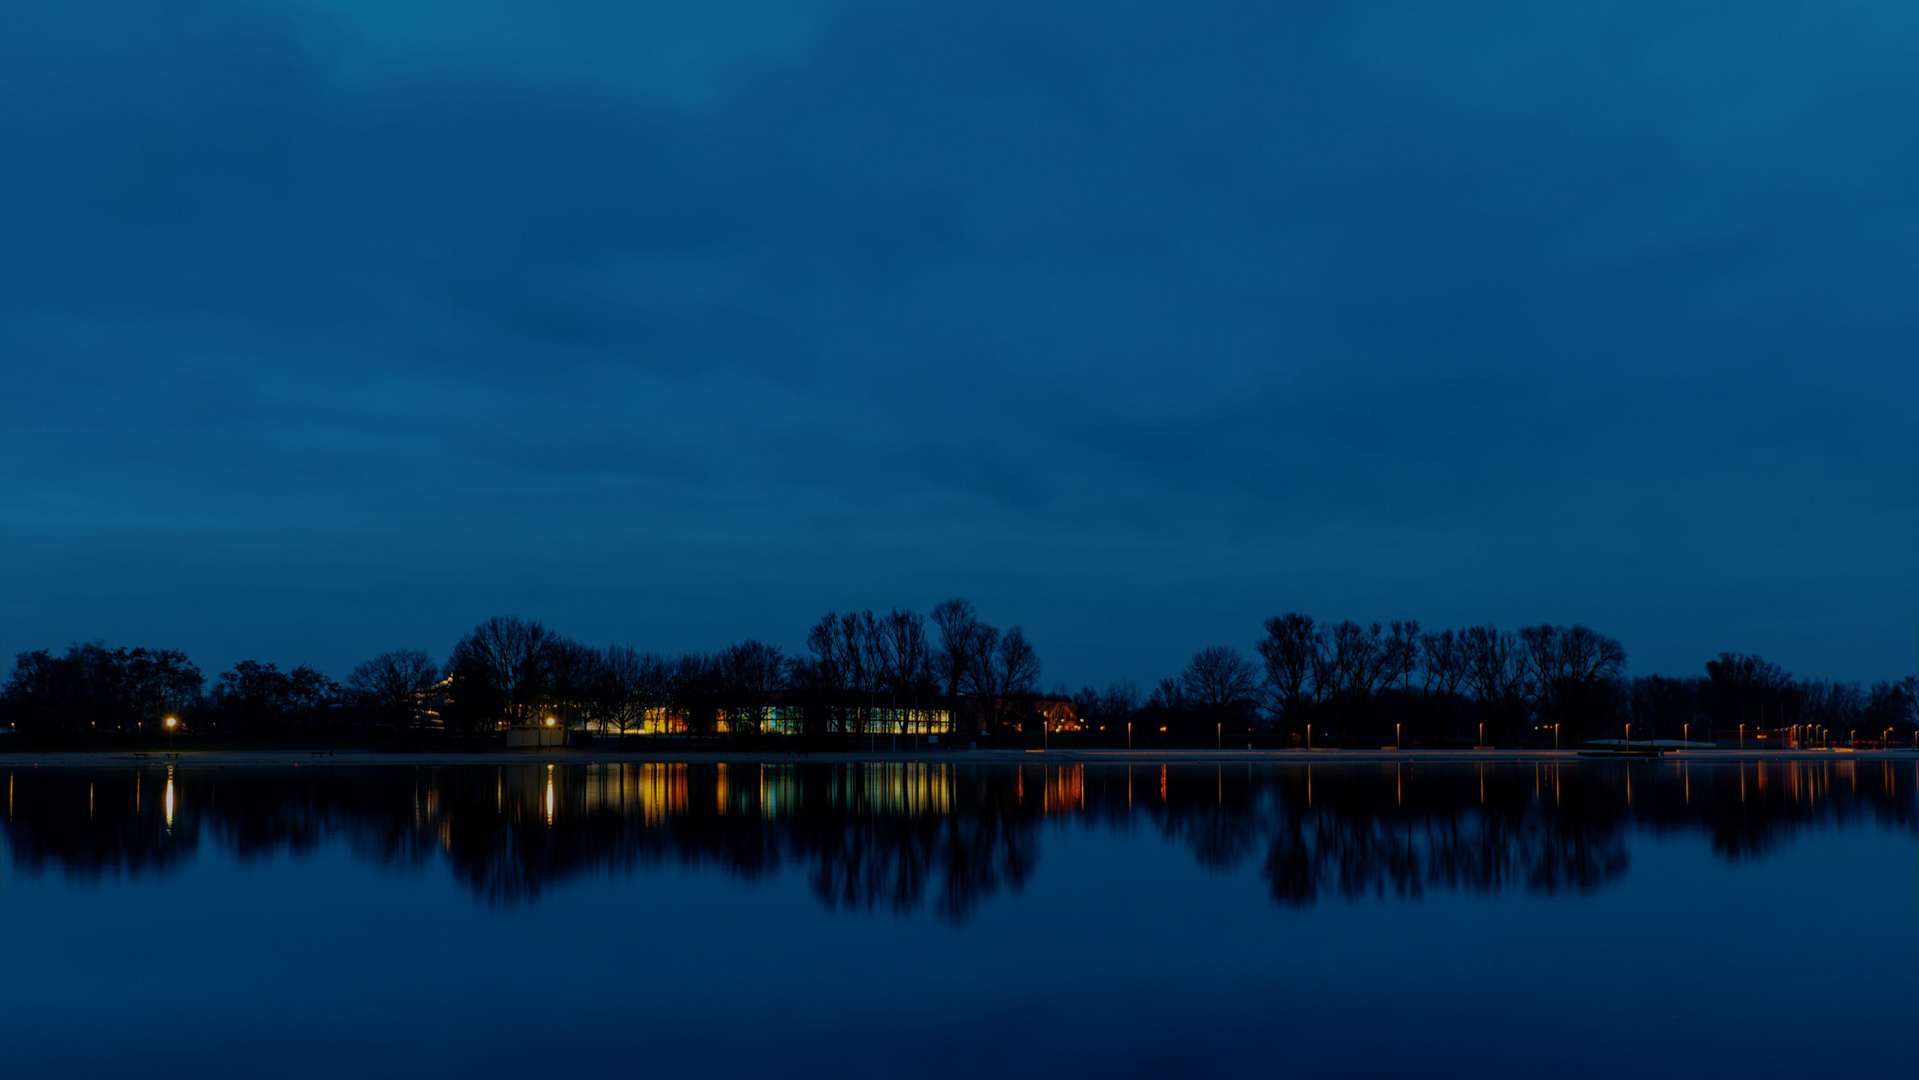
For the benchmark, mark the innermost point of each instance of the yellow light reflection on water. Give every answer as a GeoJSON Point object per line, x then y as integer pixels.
{"type": "Point", "coordinates": [1066, 790]}
{"type": "Point", "coordinates": [169, 798]}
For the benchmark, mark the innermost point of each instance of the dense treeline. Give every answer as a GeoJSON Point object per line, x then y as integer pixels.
{"type": "Point", "coordinates": [863, 673]}
{"type": "Point", "coordinates": [1387, 684]}
{"type": "Point", "coordinates": [861, 670]}
{"type": "Point", "coordinates": [94, 689]}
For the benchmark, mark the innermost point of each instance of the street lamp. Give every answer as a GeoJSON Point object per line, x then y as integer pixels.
{"type": "Point", "coordinates": [1399, 741]}
{"type": "Point", "coordinates": [172, 722]}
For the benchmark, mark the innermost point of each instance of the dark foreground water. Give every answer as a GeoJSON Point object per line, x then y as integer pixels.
{"type": "Point", "coordinates": [894, 920]}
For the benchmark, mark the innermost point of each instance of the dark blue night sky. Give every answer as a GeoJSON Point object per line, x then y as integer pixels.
{"type": "Point", "coordinates": [328, 328]}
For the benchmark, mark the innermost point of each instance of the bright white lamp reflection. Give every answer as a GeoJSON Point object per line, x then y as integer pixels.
{"type": "Point", "coordinates": [169, 798]}
{"type": "Point", "coordinates": [549, 794]}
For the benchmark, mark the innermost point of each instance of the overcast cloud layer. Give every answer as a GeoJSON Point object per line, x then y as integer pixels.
{"type": "Point", "coordinates": [334, 327]}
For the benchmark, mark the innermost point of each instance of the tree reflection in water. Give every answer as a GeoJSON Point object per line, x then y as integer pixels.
{"type": "Point", "coordinates": [911, 835]}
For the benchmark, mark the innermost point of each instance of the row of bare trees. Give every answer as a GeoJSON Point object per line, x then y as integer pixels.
{"type": "Point", "coordinates": [858, 664]}
{"type": "Point", "coordinates": [1741, 693]}
{"type": "Point", "coordinates": [950, 671]}
{"type": "Point", "coordinates": [1349, 683]}
{"type": "Point", "coordinates": [92, 690]}
{"type": "Point", "coordinates": [861, 660]}
{"type": "Point", "coordinates": [517, 671]}
{"type": "Point", "coordinates": [1353, 684]}
{"type": "Point", "coordinates": [1343, 683]}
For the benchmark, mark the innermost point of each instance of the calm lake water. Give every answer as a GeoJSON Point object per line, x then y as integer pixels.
{"type": "Point", "coordinates": [894, 919]}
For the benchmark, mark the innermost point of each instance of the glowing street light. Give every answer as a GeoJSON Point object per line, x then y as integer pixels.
{"type": "Point", "coordinates": [172, 722]}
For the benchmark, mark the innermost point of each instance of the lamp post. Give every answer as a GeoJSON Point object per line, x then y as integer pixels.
{"type": "Point", "coordinates": [1129, 735]}
{"type": "Point", "coordinates": [172, 722]}
{"type": "Point", "coordinates": [1219, 736]}
{"type": "Point", "coordinates": [1309, 736]}
{"type": "Point", "coordinates": [1399, 740]}
{"type": "Point", "coordinates": [1629, 735]}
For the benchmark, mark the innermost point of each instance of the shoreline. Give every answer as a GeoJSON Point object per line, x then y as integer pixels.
{"type": "Point", "coordinates": [432, 759]}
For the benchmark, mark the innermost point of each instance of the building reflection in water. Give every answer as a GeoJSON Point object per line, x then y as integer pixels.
{"type": "Point", "coordinates": [930, 836]}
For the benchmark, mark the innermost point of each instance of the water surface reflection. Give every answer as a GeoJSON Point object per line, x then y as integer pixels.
{"type": "Point", "coordinates": [927, 836]}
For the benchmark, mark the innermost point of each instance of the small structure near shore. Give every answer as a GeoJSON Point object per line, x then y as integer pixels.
{"type": "Point", "coordinates": [535, 736]}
